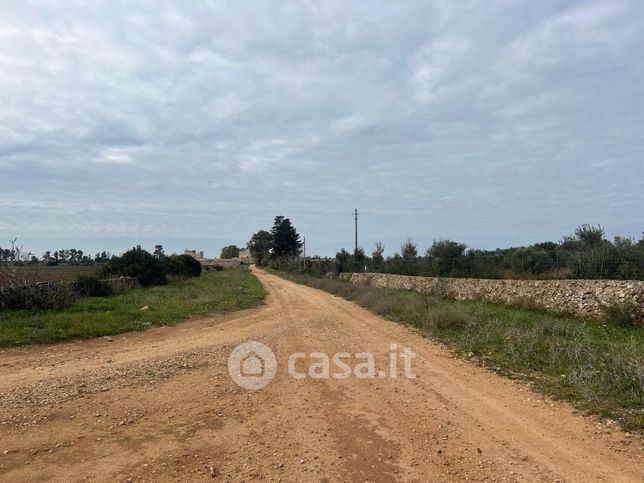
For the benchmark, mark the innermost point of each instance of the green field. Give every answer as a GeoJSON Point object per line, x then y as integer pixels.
{"type": "Point", "coordinates": [596, 366]}
{"type": "Point", "coordinates": [215, 292]}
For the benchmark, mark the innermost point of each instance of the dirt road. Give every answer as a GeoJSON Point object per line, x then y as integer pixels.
{"type": "Point", "coordinates": [160, 406]}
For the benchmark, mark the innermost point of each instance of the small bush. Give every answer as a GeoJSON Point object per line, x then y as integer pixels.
{"type": "Point", "coordinates": [137, 263]}
{"type": "Point", "coordinates": [37, 296]}
{"type": "Point", "coordinates": [182, 266]}
{"type": "Point", "coordinates": [92, 287]}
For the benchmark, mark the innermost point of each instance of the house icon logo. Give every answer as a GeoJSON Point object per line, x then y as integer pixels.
{"type": "Point", "coordinates": [252, 365]}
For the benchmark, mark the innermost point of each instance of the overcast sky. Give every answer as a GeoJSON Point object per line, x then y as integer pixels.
{"type": "Point", "coordinates": [193, 124]}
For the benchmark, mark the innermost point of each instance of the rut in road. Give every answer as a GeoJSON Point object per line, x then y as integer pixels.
{"type": "Point", "coordinates": [160, 406]}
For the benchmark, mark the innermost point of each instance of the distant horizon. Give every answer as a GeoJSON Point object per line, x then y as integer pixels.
{"type": "Point", "coordinates": [212, 246]}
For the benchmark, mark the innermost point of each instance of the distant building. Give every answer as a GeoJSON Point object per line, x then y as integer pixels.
{"type": "Point", "coordinates": [194, 254]}
{"type": "Point", "coordinates": [245, 257]}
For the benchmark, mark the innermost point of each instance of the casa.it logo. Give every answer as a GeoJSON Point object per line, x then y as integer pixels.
{"type": "Point", "coordinates": [252, 365]}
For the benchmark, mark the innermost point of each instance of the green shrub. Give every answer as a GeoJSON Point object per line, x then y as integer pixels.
{"type": "Point", "coordinates": [182, 265]}
{"type": "Point", "coordinates": [137, 263]}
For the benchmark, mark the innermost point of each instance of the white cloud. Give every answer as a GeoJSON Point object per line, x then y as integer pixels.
{"type": "Point", "coordinates": [227, 106]}
{"type": "Point", "coordinates": [431, 66]}
{"type": "Point", "coordinates": [116, 156]}
{"type": "Point", "coordinates": [352, 123]}
{"type": "Point", "coordinates": [581, 31]}
{"type": "Point", "coordinates": [264, 155]}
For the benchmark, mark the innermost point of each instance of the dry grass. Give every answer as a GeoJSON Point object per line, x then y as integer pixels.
{"type": "Point", "coordinates": [58, 273]}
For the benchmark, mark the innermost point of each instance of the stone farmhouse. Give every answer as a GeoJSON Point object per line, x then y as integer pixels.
{"type": "Point", "coordinates": [244, 258]}
{"type": "Point", "coordinates": [194, 254]}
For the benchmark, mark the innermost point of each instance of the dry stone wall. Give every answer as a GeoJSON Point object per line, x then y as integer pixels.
{"type": "Point", "coordinates": [584, 298]}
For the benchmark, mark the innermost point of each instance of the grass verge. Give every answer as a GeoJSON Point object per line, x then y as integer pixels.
{"type": "Point", "coordinates": [598, 368]}
{"type": "Point", "coordinates": [214, 292]}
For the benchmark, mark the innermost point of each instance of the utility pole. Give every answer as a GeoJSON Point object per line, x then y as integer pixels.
{"type": "Point", "coordinates": [304, 250]}
{"type": "Point", "coordinates": [355, 218]}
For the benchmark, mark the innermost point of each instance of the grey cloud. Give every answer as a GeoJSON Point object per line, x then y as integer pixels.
{"type": "Point", "coordinates": [510, 122]}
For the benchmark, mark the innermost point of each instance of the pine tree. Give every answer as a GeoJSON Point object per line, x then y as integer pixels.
{"type": "Point", "coordinates": [285, 240]}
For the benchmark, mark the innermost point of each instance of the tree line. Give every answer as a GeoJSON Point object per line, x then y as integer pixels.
{"type": "Point", "coordinates": [71, 256]}
{"type": "Point", "coordinates": [586, 253]}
